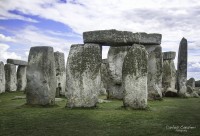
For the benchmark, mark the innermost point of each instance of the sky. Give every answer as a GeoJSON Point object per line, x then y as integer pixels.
{"type": "Point", "coordinates": [60, 23]}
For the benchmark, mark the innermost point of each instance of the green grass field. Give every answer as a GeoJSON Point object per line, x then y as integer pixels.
{"type": "Point", "coordinates": [161, 119]}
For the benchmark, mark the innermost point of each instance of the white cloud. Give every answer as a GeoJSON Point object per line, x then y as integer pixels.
{"type": "Point", "coordinates": [4, 38]}
{"type": "Point", "coordinates": [5, 54]}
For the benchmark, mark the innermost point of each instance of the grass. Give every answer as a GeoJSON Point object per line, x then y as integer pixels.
{"type": "Point", "coordinates": [109, 119]}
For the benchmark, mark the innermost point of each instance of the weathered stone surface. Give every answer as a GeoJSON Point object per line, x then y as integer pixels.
{"type": "Point", "coordinates": [182, 68]}
{"type": "Point", "coordinates": [169, 55]}
{"type": "Point", "coordinates": [60, 72]}
{"type": "Point", "coordinates": [189, 89]}
{"type": "Point", "coordinates": [117, 38]}
{"type": "Point", "coordinates": [11, 77]}
{"type": "Point", "coordinates": [134, 78]}
{"type": "Point", "coordinates": [155, 63]}
{"type": "Point", "coordinates": [2, 78]}
{"type": "Point", "coordinates": [104, 77]}
{"type": "Point", "coordinates": [41, 76]}
{"type": "Point", "coordinates": [21, 78]}
{"type": "Point", "coordinates": [83, 75]}
{"type": "Point", "coordinates": [191, 82]}
{"type": "Point", "coordinates": [17, 62]}
{"type": "Point", "coordinates": [169, 78]}
{"type": "Point", "coordinates": [115, 59]}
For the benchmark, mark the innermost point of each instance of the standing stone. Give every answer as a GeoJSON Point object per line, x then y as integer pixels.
{"type": "Point", "coordinates": [11, 77]}
{"type": "Point", "coordinates": [104, 77]}
{"type": "Point", "coordinates": [116, 57]}
{"type": "Point", "coordinates": [134, 78]}
{"type": "Point", "coordinates": [2, 78]}
{"type": "Point", "coordinates": [21, 78]}
{"type": "Point", "coordinates": [191, 82]}
{"type": "Point", "coordinates": [169, 74]}
{"type": "Point", "coordinates": [41, 76]}
{"type": "Point", "coordinates": [182, 68]}
{"type": "Point", "coordinates": [60, 72]}
{"type": "Point", "coordinates": [83, 75]}
{"type": "Point", "coordinates": [155, 63]}
{"type": "Point", "coordinates": [197, 83]}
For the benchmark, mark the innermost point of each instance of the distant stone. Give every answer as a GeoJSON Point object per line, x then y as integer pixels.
{"type": "Point", "coordinates": [194, 95]}
{"type": "Point", "coordinates": [169, 78]}
{"type": "Point", "coordinates": [21, 78]}
{"type": "Point", "coordinates": [59, 99]}
{"type": "Point", "coordinates": [191, 82]}
{"type": "Point", "coordinates": [182, 68]}
{"type": "Point", "coordinates": [134, 78]}
{"type": "Point", "coordinates": [103, 101]}
{"type": "Point", "coordinates": [115, 60]}
{"type": "Point", "coordinates": [155, 65]}
{"type": "Point", "coordinates": [104, 77]}
{"type": "Point", "coordinates": [11, 77]}
{"type": "Point", "coordinates": [189, 89]}
{"type": "Point", "coordinates": [17, 62]}
{"type": "Point", "coordinates": [60, 72]}
{"type": "Point", "coordinates": [169, 55]}
{"type": "Point", "coordinates": [41, 76]}
{"type": "Point", "coordinates": [118, 38]}
{"type": "Point", "coordinates": [83, 75]}
{"type": "Point", "coordinates": [2, 78]}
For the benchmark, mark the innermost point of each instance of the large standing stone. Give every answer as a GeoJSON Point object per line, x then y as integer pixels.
{"type": "Point", "coordinates": [155, 63]}
{"type": "Point", "coordinates": [21, 78]}
{"type": "Point", "coordinates": [17, 62]}
{"type": "Point", "coordinates": [116, 57]}
{"type": "Point", "coordinates": [2, 78]}
{"type": "Point", "coordinates": [135, 78]}
{"type": "Point", "coordinates": [83, 75]}
{"type": "Point", "coordinates": [182, 68]}
{"type": "Point", "coordinates": [169, 74]}
{"type": "Point", "coordinates": [191, 82]}
{"type": "Point", "coordinates": [11, 77]}
{"type": "Point", "coordinates": [41, 76]}
{"type": "Point", "coordinates": [120, 38]}
{"type": "Point", "coordinates": [60, 72]}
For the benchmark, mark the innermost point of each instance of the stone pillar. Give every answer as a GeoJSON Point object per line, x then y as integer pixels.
{"type": "Point", "coordinates": [115, 59]}
{"type": "Point", "coordinates": [104, 77]}
{"type": "Point", "coordinates": [83, 75]}
{"type": "Point", "coordinates": [190, 85]}
{"type": "Point", "coordinates": [182, 68]}
{"type": "Point", "coordinates": [134, 78]}
{"type": "Point", "coordinates": [169, 74]}
{"type": "Point", "coordinates": [2, 78]}
{"type": "Point", "coordinates": [60, 72]}
{"type": "Point", "coordinates": [155, 63]}
{"type": "Point", "coordinates": [21, 78]}
{"type": "Point", "coordinates": [11, 77]}
{"type": "Point", "coordinates": [41, 76]}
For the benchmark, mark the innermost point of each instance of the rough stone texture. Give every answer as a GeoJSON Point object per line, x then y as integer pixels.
{"type": "Point", "coordinates": [41, 76]}
{"type": "Point", "coordinates": [189, 89]}
{"type": "Point", "coordinates": [104, 77]}
{"type": "Point", "coordinates": [155, 63]}
{"type": "Point", "coordinates": [60, 72]}
{"type": "Point", "coordinates": [169, 55]}
{"type": "Point", "coordinates": [118, 38]}
{"type": "Point", "coordinates": [17, 62]}
{"type": "Point", "coordinates": [21, 78]}
{"type": "Point", "coordinates": [191, 83]}
{"type": "Point", "coordinates": [134, 78]}
{"type": "Point", "coordinates": [2, 78]}
{"type": "Point", "coordinates": [169, 75]}
{"type": "Point", "coordinates": [11, 77]}
{"type": "Point", "coordinates": [182, 68]}
{"type": "Point", "coordinates": [115, 59]}
{"type": "Point", "coordinates": [83, 75]}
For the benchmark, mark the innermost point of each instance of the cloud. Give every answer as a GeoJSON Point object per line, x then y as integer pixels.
{"type": "Point", "coordinates": [5, 54]}
{"type": "Point", "coordinates": [4, 38]}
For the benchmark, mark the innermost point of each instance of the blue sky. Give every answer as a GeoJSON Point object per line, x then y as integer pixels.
{"type": "Point", "coordinates": [60, 23]}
